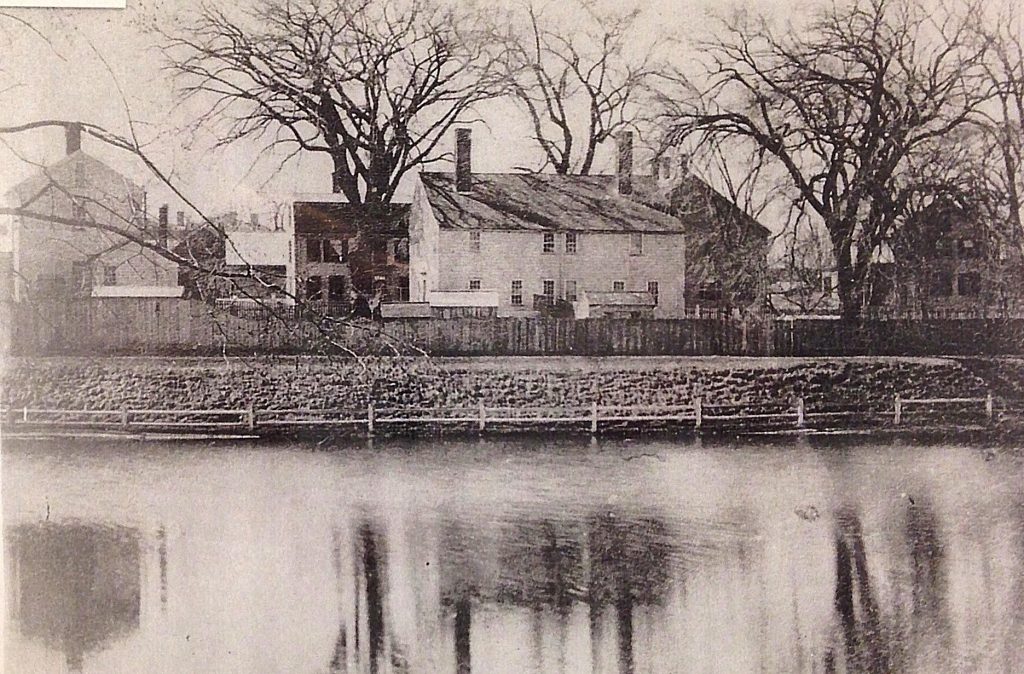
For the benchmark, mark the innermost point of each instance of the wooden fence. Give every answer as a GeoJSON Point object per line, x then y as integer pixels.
{"type": "Point", "coordinates": [699, 416]}
{"type": "Point", "coordinates": [178, 327]}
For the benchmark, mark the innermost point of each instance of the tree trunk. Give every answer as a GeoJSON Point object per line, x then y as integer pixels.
{"type": "Point", "coordinates": [343, 181]}
{"type": "Point", "coordinates": [851, 290]}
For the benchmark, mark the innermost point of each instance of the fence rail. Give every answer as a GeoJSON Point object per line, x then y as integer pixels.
{"type": "Point", "coordinates": [698, 416]}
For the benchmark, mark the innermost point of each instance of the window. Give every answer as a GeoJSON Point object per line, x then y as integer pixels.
{"type": "Point", "coordinates": [636, 244]}
{"type": "Point", "coordinates": [968, 248]}
{"type": "Point", "coordinates": [474, 284]}
{"type": "Point", "coordinates": [78, 212]}
{"type": "Point", "coordinates": [314, 251]}
{"type": "Point", "coordinates": [332, 250]}
{"type": "Point", "coordinates": [336, 289]}
{"type": "Point", "coordinates": [314, 289]}
{"type": "Point", "coordinates": [517, 293]}
{"type": "Point", "coordinates": [549, 288]}
{"type": "Point", "coordinates": [570, 291]}
{"type": "Point", "coordinates": [81, 276]}
{"type": "Point", "coordinates": [549, 242]}
{"type": "Point", "coordinates": [109, 275]}
{"type": "Point", "coordinates": [326, 250]}
{"type": "Point", "coordinates": [618, 286]}
{"type": "Point", "coordinates": [570, 243]}
{"type": "Point", "coordinates": [401, 250]}
{"type": "Point", "coordinates": [968, 284]}
{"type": "Point", "coordinates": [652, 288]}
{"type": "Point", "coordinates": [474, 242]}
{"type": "Point", "coordinates": [710, 291]}
{"type": "Point", "coordinates": [826, 283]}
{"type": "Point", "coordinates": [942, 284]}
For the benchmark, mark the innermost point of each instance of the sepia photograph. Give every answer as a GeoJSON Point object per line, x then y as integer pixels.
{"type": "Point", "coordinates": [512, 336]}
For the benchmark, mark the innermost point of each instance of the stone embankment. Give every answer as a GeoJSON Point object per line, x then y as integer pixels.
{"type": "Point", "coordinates": [322, 383]}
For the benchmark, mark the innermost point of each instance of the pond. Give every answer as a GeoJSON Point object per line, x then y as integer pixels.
{"type": "Point", "coordinates": [512, 555]}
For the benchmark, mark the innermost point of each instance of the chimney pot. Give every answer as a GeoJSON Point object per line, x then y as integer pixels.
{"type": "Point", "coordinates": [463, 160]}
{"type": "Point", "coordinates": [624, 170]}
{"type": "Point", "coordinates": [162, 233]}
{"type": "Point", "coordinates": [73, 138]}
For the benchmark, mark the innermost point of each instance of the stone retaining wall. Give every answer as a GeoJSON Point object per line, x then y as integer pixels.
{"type": "Point", "coordinates": [73, 383]}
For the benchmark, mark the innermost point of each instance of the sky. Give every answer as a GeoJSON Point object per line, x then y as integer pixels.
{"type": "Point", "coordinates": [102, 66]}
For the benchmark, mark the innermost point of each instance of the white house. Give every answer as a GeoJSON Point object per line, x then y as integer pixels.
{"type": "Point", "coordinates": [540, 240]}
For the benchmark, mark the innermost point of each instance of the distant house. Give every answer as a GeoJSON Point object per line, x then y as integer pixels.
{"type": "Point", "coordinates": [803, 291]}
{"type": "Point", "coordinates": [81, 256]}
{"type": "Point", "coordinates": [261, 264]}
{"type": "Point", "coordinates": [726, 248]}
{"type": "Point", "coordinates": [344, 253]}
{"type": "Point", "coordinates": [948, 259]}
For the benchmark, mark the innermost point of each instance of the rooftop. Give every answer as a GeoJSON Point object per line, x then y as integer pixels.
{"type": "Point", "coordinates": [535, 201]}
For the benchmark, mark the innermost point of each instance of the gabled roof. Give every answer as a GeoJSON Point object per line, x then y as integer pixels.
{"type": "Point", "coordinates": [63, 169]}
{"type": "Point", "coordinates": [543, 201]}
{"type": "Point", "coordinates": [693, 201]}
{"type": "Point", "coordinates": [538, 202]}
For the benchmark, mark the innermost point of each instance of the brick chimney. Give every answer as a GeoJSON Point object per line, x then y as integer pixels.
{"type": "Point", "coordinates": [624, 169]}
{"type": "Point", "coordinates": [162, 227]}
{"type": "Point", "coordinates": [463, 160]}
{"type": "Point", "coordinates": [72, 138]}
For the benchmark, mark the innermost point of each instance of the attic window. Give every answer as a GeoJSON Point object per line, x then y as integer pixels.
{"type": "Point", "coordinates": [636, 244]}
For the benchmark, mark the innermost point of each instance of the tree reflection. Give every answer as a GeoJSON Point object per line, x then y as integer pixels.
{"type": "Point", "coordinates": [75, 587]}
{"type": "Point", "coordinates": [864, 643]}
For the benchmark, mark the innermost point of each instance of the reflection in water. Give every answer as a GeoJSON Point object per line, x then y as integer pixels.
{"type": "Point", "coordinates": [865, 646]}
{"type": "Point", "coordinates": [75, 586]}
{"type": "Point", "coordinates": [503, 559]}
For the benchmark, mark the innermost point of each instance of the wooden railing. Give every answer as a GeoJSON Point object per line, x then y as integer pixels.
{"type": "Point", "coordinates": [699, 416]}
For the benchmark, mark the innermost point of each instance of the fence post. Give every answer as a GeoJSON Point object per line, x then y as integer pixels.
{"type": "Point", "coordinates": [250, 418]}
{"type": "Point", "coordinates": [593, 418]}
{"type": "Point", "coordinates": [483, 417]}
{"type": "Point", "coordinates": [799, 412]}
{"type": "Point", "coordinates": [369, 419]}
{"type": "Point", "coordinates": [124, 418]}
{"type": "Point", "coordinates": [989, 407]}
{"type": "Point", "coordinates": [698, 412]}
{"type": "Point", "coordinates": [897, 411]}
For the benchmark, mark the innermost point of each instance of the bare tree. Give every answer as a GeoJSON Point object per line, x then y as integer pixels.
{"type": "Point", "coordinates": [373, 85]}
{"type": "Point", "coordinates": [843, 107]}
{"type": "Point", "coordinates": [1003, 121]}
{"type": "Point", "coordinates": [579, 86]}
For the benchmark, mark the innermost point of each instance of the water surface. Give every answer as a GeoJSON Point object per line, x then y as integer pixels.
{"type": "Point", "coordinates": [512, 556]}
